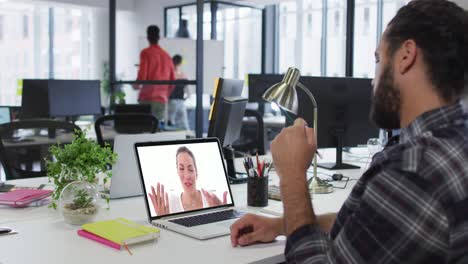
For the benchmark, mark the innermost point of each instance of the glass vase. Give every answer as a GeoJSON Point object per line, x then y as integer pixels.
{"type": "Point", "coordinates": [79, 202]}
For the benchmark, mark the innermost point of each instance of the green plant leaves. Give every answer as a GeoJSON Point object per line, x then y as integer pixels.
{"type": "Point", "coordinates": [79, 161]}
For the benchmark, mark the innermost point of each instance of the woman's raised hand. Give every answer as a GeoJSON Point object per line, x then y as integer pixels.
{"type": "Point", "coordinates": [160, 200]}
{"type": "Point", "coordinates": [213, 200]}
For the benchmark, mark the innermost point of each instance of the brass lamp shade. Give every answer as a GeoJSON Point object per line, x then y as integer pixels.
{"type": "Point", "coordinates": [284, 93]}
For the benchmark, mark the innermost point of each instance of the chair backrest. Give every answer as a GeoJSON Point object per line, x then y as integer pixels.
{"type": "Point", "coordinates": [19, 153]}
{"type": "Point", "coordinates": [252, 145]}
{"type": "Point", "coordinates": [131, 123]}
{"type": "Point", "coordinates": [261, 131]}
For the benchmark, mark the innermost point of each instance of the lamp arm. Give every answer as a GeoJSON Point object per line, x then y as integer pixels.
{"type": "Point", "coordinates": [309, 93]}
{"type": "Point", "coordinates": [314, 103]}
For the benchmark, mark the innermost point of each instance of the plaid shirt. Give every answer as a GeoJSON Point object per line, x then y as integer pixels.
{"type": "Point", "coordinates": [410, 206]}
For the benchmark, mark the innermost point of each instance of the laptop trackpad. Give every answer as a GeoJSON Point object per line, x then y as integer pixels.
{"type": "Point", "coordinates": [227, 223]}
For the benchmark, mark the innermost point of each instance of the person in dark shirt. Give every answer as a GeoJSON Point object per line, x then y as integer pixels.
{"type": "Point", "coordinates": [177, 110]}
{"type": "Point", "coordinates": [411, 205]}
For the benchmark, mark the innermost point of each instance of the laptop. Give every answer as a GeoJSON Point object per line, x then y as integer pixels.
{"type": "Point", "coordinates": [125, 181]}
{"type": "Point", "coordinates": [5, 115]}
{"type": "Point", "coordinates": [202, 169]}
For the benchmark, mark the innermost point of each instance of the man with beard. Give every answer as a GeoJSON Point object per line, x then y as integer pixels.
{"type": "Point", "coordinates": [410, 205]}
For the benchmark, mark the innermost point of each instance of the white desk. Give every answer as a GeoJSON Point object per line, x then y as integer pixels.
{"type": "Point", "coordinates": [44, 237]}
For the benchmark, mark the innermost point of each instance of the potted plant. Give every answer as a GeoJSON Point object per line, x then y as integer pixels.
{"type": "Point", "coordinates": [82, 161]}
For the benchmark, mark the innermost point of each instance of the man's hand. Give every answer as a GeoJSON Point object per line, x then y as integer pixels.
{"type": "Point", "coordinates": [293, 150]}
{"type": "Point", "coordinates": [160, 200]}
{"type": "Point", "coordinates": [254, 228]}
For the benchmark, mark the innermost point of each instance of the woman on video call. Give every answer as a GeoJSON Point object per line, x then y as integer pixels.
{"type": "Point", "coordinates": [191, 198]}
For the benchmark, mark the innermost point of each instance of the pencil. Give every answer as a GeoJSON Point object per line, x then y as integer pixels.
{"type": "Point", "coordinates": [126, 247]}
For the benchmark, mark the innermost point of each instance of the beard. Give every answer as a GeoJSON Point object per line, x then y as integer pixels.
{"type": "Point", "coordinates": [386, 102]}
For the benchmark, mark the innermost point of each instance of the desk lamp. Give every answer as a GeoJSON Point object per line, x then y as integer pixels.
{"type": "Point", "coordinates": [284, 95]}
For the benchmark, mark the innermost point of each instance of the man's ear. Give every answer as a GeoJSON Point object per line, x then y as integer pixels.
{"type": "Point", "coordinates": [406, 56]}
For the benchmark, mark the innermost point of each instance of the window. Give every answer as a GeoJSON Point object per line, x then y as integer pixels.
{"type": "Point", "coordinates": [366, 21]}
{"type": "Point", "coordinates": [73, 46]}
{"type": "Point", "coordinates": [25, 26]}
{"type": "Point", "coordinates": [367, 34]}
{"type": "Point", "coordinates": [309, 28]}
{"type": "Point", "coordinates": [19, 63]}
{"type": "Point", "coordinates": [321, 24]}
{"type": "Point", "coordinates": [365, 38]}
{"type": "Point", "coordinates": [312, 43]}
{"type": "Point", "coordinates": [336, 41]}
{"type": "Point", "coordinates": [238, 26]}
{"type": "Point", "coordinates": [288, 42]}
{"type": "Point", "coordinates": [390, 8]}
{"type": "Point", "coordinates": [2, 22]}
{"type": "Point", "coordinates": [189, 13]}
{"type": "Point", "coordinates": [26, 53]}
{"type": "Point", "coordinates": [172, 22]}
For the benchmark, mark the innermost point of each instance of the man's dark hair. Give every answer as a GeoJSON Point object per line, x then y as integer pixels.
{"type": "Point", "coordinates": [440, 30]}
{"type": "Point", "coordinates": [177, 60]}
{"type": "Point", "coordinates": [152, 33]}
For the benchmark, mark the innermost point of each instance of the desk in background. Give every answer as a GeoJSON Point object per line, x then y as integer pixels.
{"type": "Point", "coordinates": [43, 237]}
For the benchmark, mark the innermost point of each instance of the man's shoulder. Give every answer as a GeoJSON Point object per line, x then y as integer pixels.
{"type": "Point", "coordinates": [437, 157]}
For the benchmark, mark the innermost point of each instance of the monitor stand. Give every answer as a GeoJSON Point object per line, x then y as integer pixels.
{"type": "Point", "coordinates": [231, 169]}
{"type": "Point", "coordinates": [338, 165]}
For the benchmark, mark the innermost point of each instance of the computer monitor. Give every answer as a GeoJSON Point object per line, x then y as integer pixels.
{"type": "Point", "coordinates": [259, 83]}
{"type": "Point", "coordinates": [227, 128]}
{"type": "Point", "coordinates": [343, 110]}
{"type": "Point", "coordinates": [71, 98]}
{"type": "Point", "coordinates": [227, 111]}
{"type": "Point", "coordinates": [343, 114]}
{"type": "Point", "coordinates": [5, 114]}
{"type": "Point", "coordinates": [229, 117]}
{"type": "Point", "coordinates": [35, 99]}
{"type": "Point", "coordinates": [223, 88]}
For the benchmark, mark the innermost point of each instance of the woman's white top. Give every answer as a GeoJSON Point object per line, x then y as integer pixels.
{"type": "Point", "coordinates": [175, 202]}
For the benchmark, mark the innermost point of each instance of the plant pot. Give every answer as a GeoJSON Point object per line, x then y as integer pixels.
{"type": "Point", "coordinates": [79, 202]}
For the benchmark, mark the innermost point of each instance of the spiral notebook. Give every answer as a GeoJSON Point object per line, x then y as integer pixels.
{"type": "Point", "coordinates": [122, 231]}
{"type": "Point", "coordinates": [23, 197]}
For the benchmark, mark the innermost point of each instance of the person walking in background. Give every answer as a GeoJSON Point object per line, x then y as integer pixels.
{"type": "Point", "coordinates": [177, 110]}
{"type": "Point", "coordinates": [155, 64]}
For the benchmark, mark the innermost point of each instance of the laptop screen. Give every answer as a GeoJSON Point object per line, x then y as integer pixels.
{"type": "Point", "coordinates": [182, 176]}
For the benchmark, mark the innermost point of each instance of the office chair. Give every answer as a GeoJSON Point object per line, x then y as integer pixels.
{"type": "Point", "coordinates": [131, 123]}
{"type": "Point", "coordinates": [18, 154]}
{"type": "Point", "coordinates": [260, 142]}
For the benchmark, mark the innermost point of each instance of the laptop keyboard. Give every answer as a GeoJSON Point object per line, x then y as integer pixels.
{"type": "Point", "coordinates": [207, 218]}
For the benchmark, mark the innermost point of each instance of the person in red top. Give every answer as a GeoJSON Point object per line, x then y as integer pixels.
{"type": "Point", "coordinates": [155, 64]}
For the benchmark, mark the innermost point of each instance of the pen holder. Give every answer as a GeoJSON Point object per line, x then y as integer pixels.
{"type": "Point", "coordinates": [257, 191]}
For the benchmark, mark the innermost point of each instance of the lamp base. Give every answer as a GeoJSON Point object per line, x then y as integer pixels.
{"type": "Point", "coordinates": [318, 186]}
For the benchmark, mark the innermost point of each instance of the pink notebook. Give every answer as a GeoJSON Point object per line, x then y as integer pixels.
{"type": "Point", "coordinates": [99, 239]}
{"type": "Point", "coordinates": [23, 197]}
